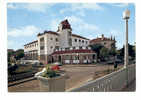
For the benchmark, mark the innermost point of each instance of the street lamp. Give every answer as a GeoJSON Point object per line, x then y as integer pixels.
{"type": "Point", "coordinates": [126, 16]}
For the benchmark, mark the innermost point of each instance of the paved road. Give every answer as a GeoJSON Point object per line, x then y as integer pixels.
{"type": "Point", "coordinates": [78, 76]}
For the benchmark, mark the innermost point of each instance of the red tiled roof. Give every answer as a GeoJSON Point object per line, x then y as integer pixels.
{"type": "Point", "coordinates": [75, 35]}
{"type": "Point", "coordinates": [48, 32]}
{"type": "Point", "coordinates": [73, 51]}
{"type": "Point", "coordinates": [51, 32]}
{"type": "Point", "coordinates": [66, 24]}
{"type": "Point", "coordinates": [100, 39]}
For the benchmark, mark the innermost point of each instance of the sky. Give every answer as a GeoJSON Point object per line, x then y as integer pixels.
{"type": "Point", "coordinates": [91, 20]}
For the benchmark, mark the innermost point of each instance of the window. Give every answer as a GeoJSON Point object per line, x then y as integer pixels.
{"type": "Point", "coordinates": [69, 33]}
{"type": "Point", "coordinates": [86, 42]}
{"type": "Point", "coordinates": [67, 57]}
{"type": "Point", "coordinates": [70, 41]}
{"type": "Point", "coordinates": [104, 43]}
{"type": "Point", "coordinates": [42, 39]}
{"type": "Point", "coordinates": [84, 57]}
{"type": "Point", "coordinates": [51, 47]}
{"type": "Point", "coordinates": [51, 38]}
{"type": "Point", "coordinates": [56, 39]}
{"type": "Point", "coordinates": [41, 47]}
{"type": "Point", "coordinates": [79, 40]}
{"type": "Point", "coordinates": [82, 41]}
{"type": "Point", "coordinates": [76, 57]}
{"type": "Point", "coordinates": [75, 40]}
{"type": "Point", "coordinates": [56, 47]}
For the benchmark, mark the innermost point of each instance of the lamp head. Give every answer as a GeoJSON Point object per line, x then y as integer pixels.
{"type": "Point", "coordinates": [126, 14]}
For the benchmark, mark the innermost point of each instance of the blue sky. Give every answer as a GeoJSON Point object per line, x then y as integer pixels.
{"type": "Point", "coordinates": [26, 20]}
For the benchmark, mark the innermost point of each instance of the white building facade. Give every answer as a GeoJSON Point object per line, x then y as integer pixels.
{"type": "Point", "coordinates": [57, 46]}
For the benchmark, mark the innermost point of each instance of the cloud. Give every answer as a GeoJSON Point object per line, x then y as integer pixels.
{"type": "Point", "coordinates": [89, 6]}
{"type": "Point", "coordinates": [119, 36]}
{"type": "Point", "coordinates": [23, 31]}
{"type": "Point", "coordinates": [121, 5]}
{"type": "Point", "coordinates": [81, 7]}
{"type": "Point", "coordinates": [15, 44]}
{"type": "Point", "coordinates": [36, 7]}
{"type": "Point", "coordinates": [11, 6]}
{"type": "Point", "coordinates": [54, 24]}
{"type": "Point", "coordinates": [79, 26]}
{"type": "Point", "coordinates": [11, 43]}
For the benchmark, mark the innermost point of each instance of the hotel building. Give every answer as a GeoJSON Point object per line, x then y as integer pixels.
{"type": "Point", "coordinates": [60, 46]}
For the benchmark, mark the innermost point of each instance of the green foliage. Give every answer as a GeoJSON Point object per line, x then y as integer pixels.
{"type": "Point", "coordinates": [104, 52]}
{"type": "Point", "coordinates": [112, 52]}
{"type": "Point", "coordinates": [131, 49]}
{"type": "Point", "coordinates": [96, 48]}
{"type": "Point", "coordinates": [19, 54]}
{"type": "Point", "coordinates": [9, 55]}
{"type": "Point", "coordinates": [49, 73]}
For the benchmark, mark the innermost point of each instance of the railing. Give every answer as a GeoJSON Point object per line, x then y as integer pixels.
{"type": "Point", "coordinates": [112, 82]}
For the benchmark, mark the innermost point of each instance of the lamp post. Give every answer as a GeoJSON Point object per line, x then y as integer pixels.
{"type": "Point", "coordinates": [126, 16]}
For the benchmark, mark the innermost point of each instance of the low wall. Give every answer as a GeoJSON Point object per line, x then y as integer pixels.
{"type": "Point", "coordinates": [112, 82]}
{"type": "Point", "coordinates": [29, 61]}
{"type": "Point", "coordinates": [20, 76]}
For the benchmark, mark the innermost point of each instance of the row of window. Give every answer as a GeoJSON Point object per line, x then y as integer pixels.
{"type": "Point", "coordinates": [67, 57]}
{"type": "Point", "coordinates": [76, 40]}
{"type": "Point", "coordinates": [56, 39]}
{"type": "Point", "coordinates": [42, 47]}
{"type": "Point", "coordinates": [31, 45]}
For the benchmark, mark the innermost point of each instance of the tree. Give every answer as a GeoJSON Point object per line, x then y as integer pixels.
{"type": "Point", "coordinates": [131, 51]}
{"type": "Point", "coordinates": [112, 52]}
{"type": "Point", "coordinates": [10, 53]}
{"type": "Point", "coordinates": [96, 48]}
{"type": "Point", "coordinates": [104, 52]}
{"type": "Point", "coordinates": [19, 54]}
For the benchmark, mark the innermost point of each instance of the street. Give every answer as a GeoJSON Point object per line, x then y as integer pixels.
{"type": "Point", "coordinates": [77, 76]}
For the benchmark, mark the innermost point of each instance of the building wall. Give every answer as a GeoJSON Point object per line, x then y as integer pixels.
{"type": "Point", "coordinates": [51, 43]}
{"type": "Point", "coordinates": [31, 51]}
{"type": "Point", "coordinates": [64, 38]}
{"type": "Point", "coordinates": [47, 44]}
{"type": "Point", "coordinates": [31, 47]}
{"type": "Point", "coordinates": [76, 41]}
{"type": "Point", "coordinates": [107, 44]}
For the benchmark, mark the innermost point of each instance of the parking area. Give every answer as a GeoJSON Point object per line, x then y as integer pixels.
{"type": "Point", "coordinates": [78, 75]}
